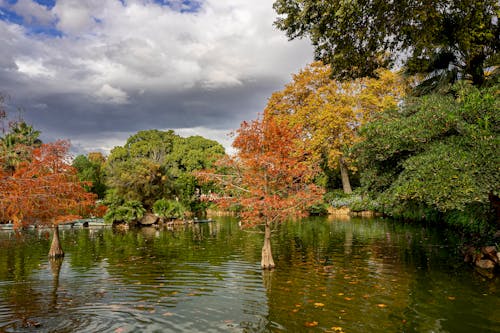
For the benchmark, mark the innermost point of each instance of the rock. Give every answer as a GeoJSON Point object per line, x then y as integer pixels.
{"type": "Point", "coordinates": [490, 252]}
{"type": "Point", "coordinates": [485, 264]}
{"type": "Point", "coordinates": [469, 254]}
{"type": "Point", "coordinates": [148, 219]}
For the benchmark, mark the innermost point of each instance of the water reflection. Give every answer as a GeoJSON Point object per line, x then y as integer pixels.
{"type": "Point", "coordinates": [353, 276]}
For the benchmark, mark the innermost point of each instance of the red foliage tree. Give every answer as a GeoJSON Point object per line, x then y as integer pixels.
{"type": "Point", "coordinates": [271, 176]}
{"type": "Point", "coordinates": [43, 189]}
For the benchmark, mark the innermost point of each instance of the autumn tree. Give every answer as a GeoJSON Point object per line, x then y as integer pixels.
{"type": "Point", "coordinates": [432, 36]}
{"type": "Point", "coordinates": [43, 190]}
{"type": "Point", "coordinates": [270, 177]}
{"type": "Point", "coordinates": [330, 112]}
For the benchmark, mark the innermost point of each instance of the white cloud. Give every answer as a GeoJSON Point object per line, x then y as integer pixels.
{"type": "Point", "coordinates": [112, 95]}
{"type": "Point", "coordinates": [32, 12]}
{"type": "Point", "coordinates": [115, 55]}
{"type": "Point", "coordinates": [33, 68]}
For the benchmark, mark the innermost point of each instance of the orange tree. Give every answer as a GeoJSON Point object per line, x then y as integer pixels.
{"type": "Point", "coordinates": [43, 190]}
{"type": "Point", "coordinates": [270, 177]}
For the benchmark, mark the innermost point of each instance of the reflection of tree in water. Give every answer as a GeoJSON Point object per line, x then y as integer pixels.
{"type": "Point", "coordinates": [55, 267]}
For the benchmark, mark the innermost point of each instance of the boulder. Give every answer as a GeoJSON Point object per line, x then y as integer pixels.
{"type": "Point", "coordinates": [485, 264]}
{"type": "Point", "coordinates": [148, 219]}
{"type": "Point", "coordinates": [490, 252]}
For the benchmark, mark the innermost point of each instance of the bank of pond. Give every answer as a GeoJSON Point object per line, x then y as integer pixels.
{"type": "Point", "coordinates": [332, 275]}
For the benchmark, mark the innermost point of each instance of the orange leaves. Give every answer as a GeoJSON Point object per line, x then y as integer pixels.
{"type": "Point", "coordinates": [271, 175]}
{"type": "Point", "coordinates": [43, 188]}
{"type": "Point", "coordinates": [311, 324]}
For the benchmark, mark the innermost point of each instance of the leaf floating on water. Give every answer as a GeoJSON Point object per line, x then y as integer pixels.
{"type": "Point", "coordinates": [451, 298]}
{"type": "Point", "coordinates": [340, 294]}
{"type": "Point", "coordinates": [348, 298]}
{"type": "Point", "coordinates": [382, 305]}
{"type": "Point", "coordinates": [319, 305]}
{"type": "Point", "coordinates": [311, 324]}
{"type": "Point", "coordinates": [298, 305]}
{"type": "Point", "coordinates": [337, 329]}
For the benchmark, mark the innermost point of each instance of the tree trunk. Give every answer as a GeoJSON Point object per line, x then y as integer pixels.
{"type": "Point", "coordinates": [56, 250]}
{"type": "Point", "coordinates": [475, 69]}
{"type": "Point", "coordinates": [267, 261]}
{"type": "Point", "coordinates": [344, 174]}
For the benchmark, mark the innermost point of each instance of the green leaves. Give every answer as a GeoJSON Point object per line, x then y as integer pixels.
{"type": "Point", "coordinates": [358, 37]}
{"type": "Point", "coordinates": [156, 164]}
{"type": "Point", "coordinates": [439, 152]}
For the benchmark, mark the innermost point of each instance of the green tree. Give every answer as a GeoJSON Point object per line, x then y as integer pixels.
{"type": "Point", "coordinates": [91, 169]}
{"type": "Point", "coordinates": [437, 155]}
{"type": "Point", "coordinates": [428, 36]}
{"type": "Point", "coordinates": [157, 164]}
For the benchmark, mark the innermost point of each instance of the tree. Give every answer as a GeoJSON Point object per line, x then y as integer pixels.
{"type": "Point", "coordinates": [330, 112]}
{"type": "Point", "coordinates": [91, 169]}
{"type": "Point", "coordinates": [271, 176]}
{"type": "Point", "coordinates": [43, 190]}
{"type": "Point", "coordinates": [430, 36]}
{"type": "Point", "coordinates": [437, 155]}
{"type": "Point", "coordinates": [155, 165]}
{"type": "Point", "coordinates": [15, 145]}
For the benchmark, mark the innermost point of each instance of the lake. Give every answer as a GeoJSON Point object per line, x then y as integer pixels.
{"type": "Point", "coordinates": [357, 275]}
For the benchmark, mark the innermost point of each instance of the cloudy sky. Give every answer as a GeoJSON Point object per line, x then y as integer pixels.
{"type": "Point", "coordinates": [97, 71]}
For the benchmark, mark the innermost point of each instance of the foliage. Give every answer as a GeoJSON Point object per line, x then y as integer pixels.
{"type": "Point", "coordinates": [272, 174]}
{"type": "Point", "coordinates": [168, 208]}
{"type": "Point", "coordinates": [359, 37]}
{"type": "Point", "coordinates": [43, 189]}
{"type": "Point", "coordinates": [16, 144]}
{"type": "Point", "coordinates": [91, 169]}
{"type": "Point", "coordinates": [438, 152]}
{"type": "Point", "coordinates": [330, 112]}
{"type": "Point", "coordinates": [129, 211]}
{"type": "Point", "coordinates": [156, 164]}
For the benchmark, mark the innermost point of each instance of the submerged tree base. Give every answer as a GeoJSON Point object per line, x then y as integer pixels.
{"type": "Point", "coordinates": [267, 261]}
{"type": "Point", "coordinates": [56, 250]}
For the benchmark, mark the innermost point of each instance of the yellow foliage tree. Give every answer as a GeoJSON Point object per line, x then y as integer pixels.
{"type": "Point", "coordinates": [331, 111]}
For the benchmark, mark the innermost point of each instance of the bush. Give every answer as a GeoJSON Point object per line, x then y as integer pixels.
{"type": "Point", "coordinates": [129, 212]}
{"type": "Point", "coordinates": [168, 208]}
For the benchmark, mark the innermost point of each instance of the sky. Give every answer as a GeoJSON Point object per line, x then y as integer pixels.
{"type": "Point", "coordinates": [97, 71]}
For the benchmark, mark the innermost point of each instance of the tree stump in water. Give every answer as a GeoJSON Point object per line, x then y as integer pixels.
{"type": "Point", "coordinates": [56, 250]}
{"type": "Point", "coordinates": [267, 261]}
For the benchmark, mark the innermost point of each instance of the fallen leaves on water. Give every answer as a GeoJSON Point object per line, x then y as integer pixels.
{"type": "Point", "coordinates": [337, 329]}
{"type": "Point", "coordinates": [451, 298]}
{"type": "Point", "coordinates": [348, 298]}
{"type": "Point", "coordinates": [382, 305]}
{"type": "Point", "coordinates": [311, 324]}
{"type": "Point", "coordinates": [319, 305]}
{"type": "Point", "coordinates": [340, 294]}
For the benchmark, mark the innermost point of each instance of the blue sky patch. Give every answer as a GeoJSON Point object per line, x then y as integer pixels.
{"type": "Point", "coordinates": [32, 27]}
{"type": "Point", "coordinates": [186, 6]}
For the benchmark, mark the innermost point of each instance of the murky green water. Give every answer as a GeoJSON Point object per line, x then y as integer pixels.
{"type": "Point", "coordinates": [331, 276]}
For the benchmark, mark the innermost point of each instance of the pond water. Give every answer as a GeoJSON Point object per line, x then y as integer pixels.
{"type": "Point", "coordinates": [358, 275]}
